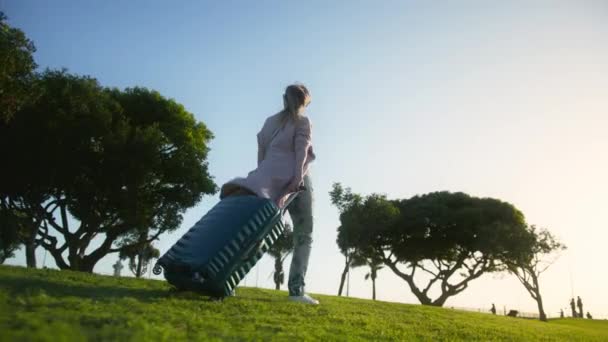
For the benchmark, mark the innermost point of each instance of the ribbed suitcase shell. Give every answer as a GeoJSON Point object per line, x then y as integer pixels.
{"type": "Point", "coordinates": [219, 250]}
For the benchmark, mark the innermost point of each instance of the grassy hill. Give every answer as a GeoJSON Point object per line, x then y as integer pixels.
{"type": "Point", "coordinates": [50, 305]}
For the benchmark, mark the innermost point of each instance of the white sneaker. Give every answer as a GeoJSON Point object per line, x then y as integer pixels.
{"type": "Point", "coordinates": [305, 299]}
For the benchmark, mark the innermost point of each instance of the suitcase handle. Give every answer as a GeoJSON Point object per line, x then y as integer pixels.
{"type": "Point", "coordinates": [292, 197]}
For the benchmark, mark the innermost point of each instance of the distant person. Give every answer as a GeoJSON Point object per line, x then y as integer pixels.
{"type": "Point", "coordinates": [589, 315]}
{"type": "Point", "coordinates": [573, 308]}
{"type": "Point", "coordinates": [561, 313]}
{"type": "Point", "coordinates": [579, 303]}
{"type": "Point", "coordinates": [493, 309]}
{"type": "Point", "coordinates": [284, 156]}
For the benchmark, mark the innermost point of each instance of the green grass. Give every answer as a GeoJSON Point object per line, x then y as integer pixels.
{"type": "Point", "coordinates": [50, 305]}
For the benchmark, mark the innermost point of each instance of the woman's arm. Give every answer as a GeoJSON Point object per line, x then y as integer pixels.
{"type": "Point", "coordinates": [261, 149]}
{"type": "Point", "coordinates": [262, 142]}
{"type": "Point", "coordinates": [302, 142]}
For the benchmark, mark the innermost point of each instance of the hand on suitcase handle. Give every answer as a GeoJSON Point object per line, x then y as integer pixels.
{"type": "Point", "coordinates": [292, 196]}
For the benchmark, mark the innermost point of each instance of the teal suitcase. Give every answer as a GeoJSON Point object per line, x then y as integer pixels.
{"type": "Point", "coordinates": [220, 249]}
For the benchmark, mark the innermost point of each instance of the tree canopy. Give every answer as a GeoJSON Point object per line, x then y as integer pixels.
{"type": "Point", "coordinates": [361, 219]}
{"type": "Point", "coordinates": [10, 238]}
{"type": "Point", "coordinates": [111, 160]}
{"type": "Point", "coordinates": [454, 238]}
{"type": "Point", "coordinates": [542, 250]}
{"type": "Point", "coordinates": [16, 69]}
{"type": "Point", "coordinates": [451, 238]}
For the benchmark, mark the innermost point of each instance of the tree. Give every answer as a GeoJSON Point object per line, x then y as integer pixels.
{"type": "Point", "coordinates": [528, 268]}
{"type": "Point", "coordinates": [348, 253]}
{"type": "Point", "coordinates": [344, 199]}
{"type": "Point", "coordinates": [452, 238]}
{"type": "Point", "coordinates": [374, 265]}
{"type": "Point", "coordinates": [279, 251]}
{"type": "Point", "coordinates": [16, 69]}
{"type": "Point", "coordinates": [17, 87]}
{"type": "Point", "coordinates": [139, 251]}
{"type": "Point", "coordinates": [358, 216]}
{"type": "Point", "coordinates": [9, 232]}
{"type": "Point", "coordinates": [95, 163]}
{"type": "Point", "coordinates": [19, 195]}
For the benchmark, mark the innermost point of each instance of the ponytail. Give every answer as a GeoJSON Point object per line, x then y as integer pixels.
{"type": "Point", "coordinates": [295, 99]}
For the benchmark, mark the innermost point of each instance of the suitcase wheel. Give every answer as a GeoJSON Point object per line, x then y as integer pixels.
{"type": "Point", "coordinates": [157, 269]}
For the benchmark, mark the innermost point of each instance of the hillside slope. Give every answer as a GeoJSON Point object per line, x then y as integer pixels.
{"type": "Point", "coordinates": [50, 305]}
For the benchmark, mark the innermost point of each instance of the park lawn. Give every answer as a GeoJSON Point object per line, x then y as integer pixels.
{"type": "Point", "coordinates": [51, 305]}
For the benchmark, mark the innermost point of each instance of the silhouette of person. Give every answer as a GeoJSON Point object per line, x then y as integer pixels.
{"type": "Point", "coordinates": [573, 307]}
{"type": "Point", "coordinates": [589, 315]}
{"type": "Point", "coordinates": [561, 313]}
{"type": "Point", "coordinates": [493, 309]}
{"type": "Point", "coordinates": [579, 303]}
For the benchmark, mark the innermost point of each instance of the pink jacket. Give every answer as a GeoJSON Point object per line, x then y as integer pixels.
{"type": "Point", "coordinates": [284, 153]}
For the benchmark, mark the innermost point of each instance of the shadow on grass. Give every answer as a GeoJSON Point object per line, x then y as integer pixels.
{"type": "Point", "coordinates": [19, 285]}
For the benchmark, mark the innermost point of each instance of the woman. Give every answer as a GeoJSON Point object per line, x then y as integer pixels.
{"type": "Point", "coordinates": [284, 156]}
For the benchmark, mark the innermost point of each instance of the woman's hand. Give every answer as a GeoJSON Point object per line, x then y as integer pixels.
{"type": "Point", "coordinates": [295, 185]}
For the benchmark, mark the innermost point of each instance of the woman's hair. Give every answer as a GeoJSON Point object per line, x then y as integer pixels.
{"type": "Point", "coordinates": [296, 97]}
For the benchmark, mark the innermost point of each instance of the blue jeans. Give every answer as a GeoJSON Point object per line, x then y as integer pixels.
{"type": "Point", "coordinates": [300, 211]}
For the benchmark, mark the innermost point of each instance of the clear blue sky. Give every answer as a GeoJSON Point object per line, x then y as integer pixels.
{"type": "Point", "coordinates": [499, 99]}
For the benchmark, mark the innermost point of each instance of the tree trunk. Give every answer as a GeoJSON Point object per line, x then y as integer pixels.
{"type": "Point", "coordinates": [343, 277]}
{"type": "Point", "coordinates": [85, 268]}
{"type": "Point", "coordinates": [59, 260]}
{"type": "Point", "coordinates": [74, 261]}
{"type": "Point", "coordinates": [139, 265]}
{"type": "Point", "coordinates": [422, 297]}
{"type": "Point", "coordinates": [373, 274]}
{"type": "Point", "coordinates": [539, 300]}
{"type": "Point", "coordinates": [440, 301]}
{"type": "Point", "coordinates": [373, 288]}
{"type": "Point", "coordinates": [30, 249]}
{"type": "Point", "coordinates": [103, 250]}
{"type": "Point", "coordinates": [541, 311]}
{"type": "Point", "coordinates": [143, 235]}
{"type": "Point", "coordinates": [278, 269]}
{"type": "Point", "coordinates": [81, 264]}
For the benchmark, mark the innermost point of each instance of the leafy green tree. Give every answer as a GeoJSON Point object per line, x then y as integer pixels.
{"type": "Point", "coordinates": [374, 265]}
{"type": "Point", "coordinates": [358, 217]}
{"type": "Point", "coordinates": [23, 188]}
{"type": "Point", "coordinates": [17, 87]}
{"type": "Point", "coordinates": [16, 69]}
{"type": "Point", "coordinates": [344, 199]}
{"type": "Point", "coordinates": [452, 238]}
{"type": "Point", "coordinates": [139, 253]}
{"type": "Point", "coordinates": [348, 253]}
{"type": "Point", "coordinates": [98, 164]}
{"type": "Point", "coordinates": [279, 251]}
{"type": "Point", "coordinates": [10, 240]}
{"type": "Point", "coordinates": [543, 251]}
